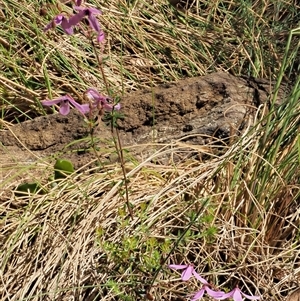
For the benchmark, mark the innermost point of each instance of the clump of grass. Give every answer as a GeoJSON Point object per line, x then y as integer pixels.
{"type": "Point", "coordinates": [147, 44]}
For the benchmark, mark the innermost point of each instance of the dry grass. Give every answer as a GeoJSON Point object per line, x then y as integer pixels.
{"type": "Point", "coordinates": [77, 241]}
{"type": "Point", "coordinates": [147, 44]}
{"type": "Point", "coordinates": [235, 216]}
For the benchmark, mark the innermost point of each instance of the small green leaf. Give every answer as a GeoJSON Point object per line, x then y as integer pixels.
{"type": "Point", "coordinates": [62, 169]}
{"type": "Point", "coordinates": [27, 188]}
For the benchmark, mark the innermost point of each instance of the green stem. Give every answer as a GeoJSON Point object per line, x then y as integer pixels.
{"type": "Point", "coordinates": [119, 150]}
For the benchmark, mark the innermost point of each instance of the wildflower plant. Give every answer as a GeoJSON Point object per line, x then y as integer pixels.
{"type": "Point", "coordinates": [96, 103]}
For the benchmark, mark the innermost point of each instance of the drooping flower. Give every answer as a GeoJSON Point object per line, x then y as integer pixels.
{"type": "Point", "coordinates": [60, 20]}
{"type": "Point", "coordinates": [99, 100]}
{"type": "Point", "coordinates": [64, 103]}
{"type": "Point", "coordinates": [237, 295]}
{"type": "Point", "coordinates": [210, 292]}
{"type": "Point", "coordinates": [90, 13]}
{"type": "Point", "coordinates": [82, 12]}
{"type": "Point", "coordinates": [188, 272]}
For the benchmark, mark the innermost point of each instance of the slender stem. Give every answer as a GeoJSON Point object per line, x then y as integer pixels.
{"type": "Point", "coordinates": [118, 144]}
{"type": "Point", "coordinates": [119, 150]}
{"type": "Point", "coordinates": [99, 61]}
{"type": "Point", "coordinates": [93, 144]}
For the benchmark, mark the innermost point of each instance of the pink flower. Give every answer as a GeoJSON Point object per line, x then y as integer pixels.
{"type": "Point", "coordinates": [64, 102]}
{"type": "Point", "coordinates": [188, 271]}
{"type": "Point", "coordinates": [210, 292]}
{"type": "Point", "coordinates": [90, 13]}
{"type": "Point", "coordinates": [101, 101]}
{"type": "Point", "coordinates": [236, 294]}
{"type": "Point", "coordinates": [82, 12]}
{"type": "Point", "coordinates": [60, 20]}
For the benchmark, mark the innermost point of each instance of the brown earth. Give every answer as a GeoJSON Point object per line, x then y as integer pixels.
{"type": "Point", "coordinates": [198, 111]}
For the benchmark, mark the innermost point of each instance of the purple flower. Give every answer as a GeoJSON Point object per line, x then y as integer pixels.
{"type": "Point", "coordinates": [90, 13]}
{"type": "Point", "coordinates": [60, 20]}
{"type": "Point", "coordinates": [82, 12]}
{"type": "Point", "coordinates": [100, 100]}
{"type": "Point", "coordinates": [64, 102]}
{"type": "Point", "coordinates": [188, 271]}
{"type": "Point", "coordinates": [236, 294]}
{"type": "Point", "coordinates": [210, 292]}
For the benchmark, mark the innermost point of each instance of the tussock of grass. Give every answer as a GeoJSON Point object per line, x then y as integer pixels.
{"type": "Point", "coordinates": [147, 44]}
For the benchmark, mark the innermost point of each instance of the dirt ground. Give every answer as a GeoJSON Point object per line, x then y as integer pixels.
{"type": "Point", "coordinates": [199, 111]}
